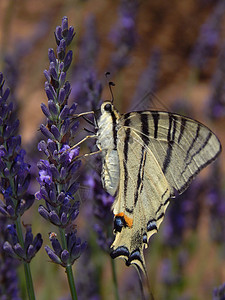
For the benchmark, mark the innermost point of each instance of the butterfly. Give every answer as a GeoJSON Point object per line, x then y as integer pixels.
{"type": "Point", "coordinates": [147, 158]}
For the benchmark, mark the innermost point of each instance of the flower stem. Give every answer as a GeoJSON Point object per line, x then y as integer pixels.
{"type": "Point", "coordinates": [69, 270]}
{"type": "Point", "coordinates": [70, 278]}
{"type": "Point", "coordinates": [28, 276]}
{"type": "Point", "coordinates": [63, 238]}
{"type": "Point", "coordinates": [115, 279]}
{"type": "Point", "coordinates": [29, 281]}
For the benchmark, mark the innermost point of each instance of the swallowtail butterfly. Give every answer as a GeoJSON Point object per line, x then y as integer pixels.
{"type": "Point", "coordinates": [147, 157]}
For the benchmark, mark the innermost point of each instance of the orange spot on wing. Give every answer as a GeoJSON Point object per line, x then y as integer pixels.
{"type": "Point", "coordinates": [129, 221]}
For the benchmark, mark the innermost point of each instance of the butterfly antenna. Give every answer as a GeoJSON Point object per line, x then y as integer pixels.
{"type": "Point", "coordinates": [110, 83]}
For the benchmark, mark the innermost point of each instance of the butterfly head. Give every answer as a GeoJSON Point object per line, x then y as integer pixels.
{"type": "Point", "coordinates": [107, 107]}
{"type": "Point", "coordinates": [107, 113]}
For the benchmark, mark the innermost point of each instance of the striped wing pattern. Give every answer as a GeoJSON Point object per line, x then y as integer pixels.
{"type": "Point", "coordinates": [159, 153]}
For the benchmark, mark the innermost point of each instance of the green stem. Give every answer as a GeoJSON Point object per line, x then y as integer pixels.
{"type": "Point", "coordinates": [19, 231]}
{"type": "Point", "coordinates": [114, 279]}
{"type": "Point", "coordinates": [70, 278]}
{"type": "Point", "coordinates": [29, 281]}
{"type": "Point", "coordinates": [69, 270]}
{"type": "Point", "coordinates": [63, 238]}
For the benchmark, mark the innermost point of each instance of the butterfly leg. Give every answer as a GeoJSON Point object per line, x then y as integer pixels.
{"type": "Point", "coordinates": [89, 154]}
{"type": "Point", "coordinates": [83, 140]}
{"type": "Point", "coordinates": [84, 114]}
{"type": "Point", "coordinates": [86, 154]}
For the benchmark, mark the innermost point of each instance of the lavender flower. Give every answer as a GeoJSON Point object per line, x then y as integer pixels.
{"type": "Point", "coordinates": [14, 172]}
{"type": "Point", "coordinates": [183, 214]}
{"type": "Point", "coordinates": [100, 200]}
{"type": "Point", "coordinates": [124, 34]}
{"type": "Point", "coordinates": [208, 38]}
{"type": "Point", "coordinates": [85, 86]}
{"type": "Point", "coordinates": [67, 256]}
{"type": "Point", "coordinates": [89, 46]}
{"type": "Point", "coordinates": [219, 293]}
{"type": "Point", "coordinates": [147, 84]}
{"type": "Point", "coordinates": [216, 204]}
{"type": "Point", "coordinates": [14, 184]}
{"type": "Point", "coordinates": [57, 173]}
{"type": "Point", "coordinates": [22, 48]}
{"type": "Point", "coordinates": [89, 291]}
{"type": "Point", "coordinates": [22, 252]}
{"type": "Point", "coordinates": [88, 90]}
{"type": "Point", "coordinates": [8, 267]}
{"type": "Point", "coordinates": [102, 209]}
{"type": "Point", "coordinates": [216, 103]}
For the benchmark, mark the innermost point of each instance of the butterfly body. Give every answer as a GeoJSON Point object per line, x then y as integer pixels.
{"type": "Point", "coordinates": [107, 131]}
{"type": "Point", "coordinates": [146, 157]}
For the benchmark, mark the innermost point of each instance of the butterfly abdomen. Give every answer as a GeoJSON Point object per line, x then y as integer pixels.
{"type": "Point", "coordinates": [110, 172]}
{"type": "Point", "coordinates": [107, 142]}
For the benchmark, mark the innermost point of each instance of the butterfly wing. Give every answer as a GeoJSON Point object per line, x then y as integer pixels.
{"type": "Point", "coordinates": [158, 152]}
{"type": "Point", "coordinates": [182, 146]}
{"type": "Point", "coordinates": [141, 201]}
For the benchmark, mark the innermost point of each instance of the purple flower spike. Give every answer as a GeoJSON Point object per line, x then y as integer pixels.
{"type": "Point", "coordinates": [55, 132]}
{"type": "Point", "coordinates": [43, 212]}
{"type": "Point", "coordinates": [68, 60]}
{"type": "Point", "coordinates": [46, 132]}
{"type": "Point", "coordinates": [51, 56]}
{"type": "Point", "coordinates": [65, 256]}
{"type": "Point", "coordinates": [30, 252]}
{"type": "Point", "coordinates": [52, 255]}
{"type": "Point", "coordinates": [74, 127]}
{"type": "Point", "coordinates": [73, 188]}
{"type": "Point", "coordinates": [8, 249]}
{"type": "Point", "coordinates": [14, 177]}
{"type": "Point", "coordinates": [28, 237]}
{"type": "Point", "coordinates": [30, 248]}
{"type": "Point", "coordinates": [9, 288]}
{"type": "Point", "coordinates": [64, 219]}
{"type": "Point", "coordinates": [61, 50]}
{"type": "Point", "coordinates": [51, 146]}
{"type": "Point", "coordinates": [219, 293]}
{"type": "Point", "coordinates": [50, 91]}
{"type": "Point", "coordinates": [209, 37]}
{"type": "Point", "coordinates": [54, 218]}
{"type": "Point", "coordinates": [56, 246]}
{"type": "Point", "coordinates": [58, 34]}
{"type": "Point", "coordinates": [47, 76]}
{"type": "Point", "coordinates": [57, 172]}
{"type": "Point", "coordinates": [45, 110]}
{"type": "Point", "coordinates": [53, 71]}
{"type": "Point", "coordinates": [65, 112]}
{"type": "Point", "coordinates": [62, 78]}
{"type": "Point", "coordinates": [70, 35]}
{"type": "Point", "coordinates": [42, 146]}
{"type": "Point", "coordinates": [19, 251]}
{"type": "Point", "coordinates": [62, 96]}
{"type": "Point", "coordinates": [64, 26]}
{"type": "Point", "coordinates": [52, 108]}
{"type": "Point", "coordinates": [124, 34]}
